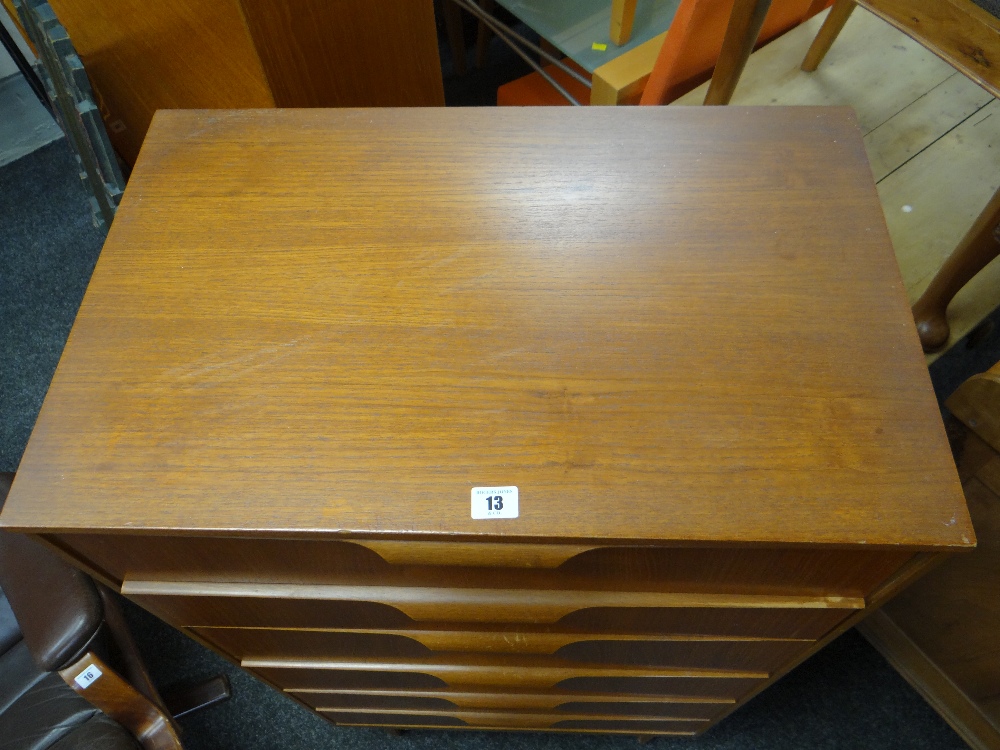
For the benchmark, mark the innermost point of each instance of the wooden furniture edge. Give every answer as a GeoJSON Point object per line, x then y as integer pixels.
{"type": "Point", "coordinates": [445, 664]}
{"type": "Point", "coordinates": [622, 18]}
{"type": "Point", "coordinates": [492, 605]}
{"type": "Point", "coordinates": [467, 698]}
{"type": "Point", "coordinates": [530, 717]}
{"type": "Point", "coordinates": [984, 21]}
{"type": "Point", "coordinates": [101, 686]}
{"type": "Point", "coordinates": [449, 727]}
{"type": "Point", "coordinates": [518, 640]}
{"type": "Point", "coordinates": [971, 404]}
{"type": "Point", "coordinates": [622, 80]}
{"type": "Point", "coordinates": [954, 706]}
{"type": "Point", "coordinates": [920, 564]}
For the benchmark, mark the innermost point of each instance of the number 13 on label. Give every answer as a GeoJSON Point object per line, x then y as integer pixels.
{"type": "Point", "coordinates": [494, 502]}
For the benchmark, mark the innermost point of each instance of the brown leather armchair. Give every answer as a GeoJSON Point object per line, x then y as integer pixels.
{"type": "Point", "coordinates": [70, 674]}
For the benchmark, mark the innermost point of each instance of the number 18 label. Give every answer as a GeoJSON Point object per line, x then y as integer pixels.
{"type": "Point", "coordinates": [494, 502]}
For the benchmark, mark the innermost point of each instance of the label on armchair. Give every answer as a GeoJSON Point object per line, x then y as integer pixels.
{"type": "Point", "coordinates": [87, 676]}
{"type": "Point", "coordinates": [494, 502]}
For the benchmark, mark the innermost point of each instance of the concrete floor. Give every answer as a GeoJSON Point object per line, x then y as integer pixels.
{"type": "Point", "coordinates": [24, 123]}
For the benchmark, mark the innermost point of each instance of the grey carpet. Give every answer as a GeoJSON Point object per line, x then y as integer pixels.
{"type": "Point", "coordinates": [48, 248]}
{"type": "Point", "coordinates": [846, 696]}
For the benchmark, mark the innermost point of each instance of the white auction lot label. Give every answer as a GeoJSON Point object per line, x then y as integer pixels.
{"type": "Point", "coordinates": [494, 502]}
{"type": "Point", "coordinates": [88, 676]}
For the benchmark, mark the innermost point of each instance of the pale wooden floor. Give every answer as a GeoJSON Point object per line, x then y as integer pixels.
{"type": "Point", "coordinates": [933, 139]}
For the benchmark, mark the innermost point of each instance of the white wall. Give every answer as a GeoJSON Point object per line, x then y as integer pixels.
{"type": "Point", "coordinates": [7, 66]}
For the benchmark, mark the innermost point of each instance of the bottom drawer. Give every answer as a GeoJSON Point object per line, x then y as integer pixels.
{"type": "Point", "coordinates": [509, 720]}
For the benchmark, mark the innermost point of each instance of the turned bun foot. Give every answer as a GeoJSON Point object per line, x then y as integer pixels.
{"type": "Point", "coordinates": [933, 330]}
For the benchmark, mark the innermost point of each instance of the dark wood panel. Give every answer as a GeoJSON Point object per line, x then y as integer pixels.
{"type": "Point", "coordinates": [667, 710]}
{"type": "Point", "coordinates": [385, 702]}
{"type": "Point", "coordinates": [811, 572]}
{"type": "Point", "coordinates": [526, 673]}
{"type": "Point", "coordinates": [295, 679]}
{"type": "Point", "coordinates": [195, 611]}
{"type": "Point", "coordinates": [396, 720]}
{"type": "Point", "coordinates": [292, 678]}
{"type": "Point", "coordinates": [679, 686]}
{"type": "Point", "coordinates": [765, 656]}
{"type": "Point", "coordinates": [760, 656]}
{"type": "Point", "coordinates": [953, 613]}
{"type": "Point", "coordinates": [510, 720]}
{"type": "Point", "coordinates": [660, 709]}
{"type": "Point", "coordinates": [349, 53]}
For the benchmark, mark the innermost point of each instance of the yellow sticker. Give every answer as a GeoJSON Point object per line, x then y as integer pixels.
{"type": "Point", "coordinates": [599, 47]}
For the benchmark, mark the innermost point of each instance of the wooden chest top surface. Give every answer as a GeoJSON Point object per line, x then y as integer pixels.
{"type": "Point", "coordinates": [673, 325]}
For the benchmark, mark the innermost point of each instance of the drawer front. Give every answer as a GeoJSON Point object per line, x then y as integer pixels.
{"type": "Point", "coordinates": [720, 570]}
{"type": "Point", "coordinates": [737, 655]}
{"type": "Point", "coordinates": [311, 678]}
{"type": "Point", "coordinates": [259, 612]}
{"type": "Point", "coordinates": [500, 720]}
{"type": "Point", "coordinates": [509, 701]}
{"type": "Point", "coordinates": [490, 605]}
{"type": "Point", "coordinates": [486, 671]}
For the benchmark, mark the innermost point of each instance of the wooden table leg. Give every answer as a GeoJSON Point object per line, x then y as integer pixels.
{"type": "Point", "coordinates": [979, 246]}
{"type": "Point", "coordinates": [827, 35]}
{"type": "Point", "coordinates": [742, 33]}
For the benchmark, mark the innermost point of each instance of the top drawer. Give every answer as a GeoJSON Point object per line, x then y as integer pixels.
{"type": "Point", "coordinates": [722, 570]}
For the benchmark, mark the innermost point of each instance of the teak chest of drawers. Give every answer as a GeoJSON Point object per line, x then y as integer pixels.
{"type": "Point", "coordinates": [680, 333]}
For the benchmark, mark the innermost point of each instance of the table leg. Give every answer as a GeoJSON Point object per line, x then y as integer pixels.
{"type": "Point", "coordinates": [979, 246]}
{"type": "Point", "coordinates": [827, 35]}
{"type": "Point", "coordinates": [742, 33]}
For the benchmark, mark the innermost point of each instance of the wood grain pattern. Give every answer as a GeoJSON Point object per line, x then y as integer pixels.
{"type": "Point", "coordinates": [929, 132]}
{"type": "Point", "coordinates": [351, 53]}
{"type": "Point", "coordinates": [958, 31]}
{"type": "Point", "coordinates": [481, 670]}
{"type": "Point", "coordinates": [763, 656]}
{"type": "Point", "coordinates": [211, 611]}
{"type": "Point", "coordinates": [314, 678]}
{"type": "Point", "coordinates": [491, 555]}
{"type": "Point", "coordinates": [307, 394]}
{"type": "Point", "coordinates": [462, 604]}
{"type": "Point", "coordinates": [512, 641]}
{"type": "Point", "coordinates": [191, 54]}
{"type": "Point", "coordinates": [141, 57]}
{"type": "Point", "coordinates": [761, 571]}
